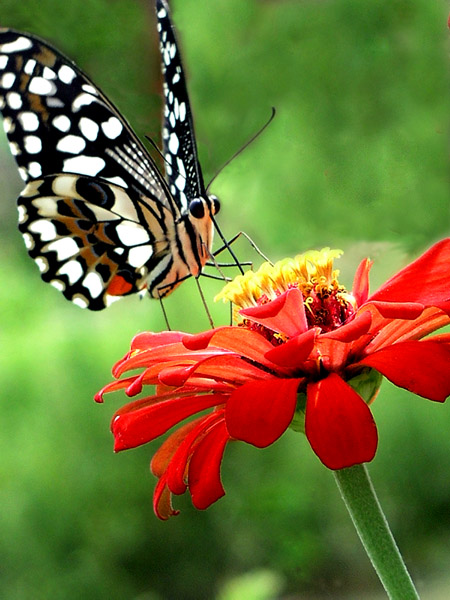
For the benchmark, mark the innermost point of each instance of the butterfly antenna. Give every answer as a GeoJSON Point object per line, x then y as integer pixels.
{"type": "Point", "coordinates": [242, 148]}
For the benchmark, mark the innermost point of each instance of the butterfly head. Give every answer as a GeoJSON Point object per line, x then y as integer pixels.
{"type": "Point", "coordinates": [201, 210]}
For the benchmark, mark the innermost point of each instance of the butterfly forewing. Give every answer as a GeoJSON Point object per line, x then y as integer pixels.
{"type": "Point", "coordinates": [97, 216]}
{"type": "Point", "coordinates": [180, 151]}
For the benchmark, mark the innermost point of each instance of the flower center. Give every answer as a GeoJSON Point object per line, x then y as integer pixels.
{"type": "Point", "coordinates": [327, 303]}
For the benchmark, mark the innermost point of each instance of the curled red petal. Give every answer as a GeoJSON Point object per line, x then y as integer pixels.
{"type": "Point", "coordinates": [426, 280]}
{"type": "Point", "coordinates": [259, 412]}
{"type": "Point", "coordinates": [131, 429]}
{"type": "Point", "coordinates": [422, 367]}
{"type": "Point", "coordinates": [398, 310]}
{"type": "Point", "coordinates": [166, 451]}
{"type": "Point", "coordinates": [360, 289]}
{"type": "Point", "coordinates": [285, 314]}
{"type": "Point", "coordinates": [200, 341]}
{"type": "Point", "coordinates": [162, 501]}
{"type": "Point", "coordinates": [339, 424]}
{"type": "Point", "coordinates": [204, 481]}
{"type": "Point", "coordinates": [149, 339]}
{"type": "Point", "coordinates": [176, 473]}
{"type": "Point", "coordinates": [293, 352]}
{"type": "Point", "coordinates": [352, 330]}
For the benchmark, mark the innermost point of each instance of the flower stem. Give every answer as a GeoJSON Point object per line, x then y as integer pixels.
{"type": "Point", "coordinates": [362, 503]}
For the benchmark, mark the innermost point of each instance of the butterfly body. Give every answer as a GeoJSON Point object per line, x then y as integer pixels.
{"type": "Point", "coordinates": [97, 216]}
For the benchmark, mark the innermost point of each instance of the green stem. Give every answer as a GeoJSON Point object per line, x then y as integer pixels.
{"type": "Point", "coordinates": [373, 530]}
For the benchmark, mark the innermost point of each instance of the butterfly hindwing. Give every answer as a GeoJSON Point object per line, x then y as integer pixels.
{"type": "Point", "coordinates": [86, 238]}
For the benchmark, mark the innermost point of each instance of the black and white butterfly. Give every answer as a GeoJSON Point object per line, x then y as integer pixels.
{"type": "Point", "coordinates": [96, 214]}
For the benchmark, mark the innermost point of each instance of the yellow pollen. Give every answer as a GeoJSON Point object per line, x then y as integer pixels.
{"type": "Point", "coordinates": [312, 270]}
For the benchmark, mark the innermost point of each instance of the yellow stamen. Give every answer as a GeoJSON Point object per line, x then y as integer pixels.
{"type": "Point", "coordinates": [306, 271]}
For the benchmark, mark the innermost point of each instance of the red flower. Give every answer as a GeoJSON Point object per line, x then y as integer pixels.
{"type": "Point", "coordinates": [307, 354]}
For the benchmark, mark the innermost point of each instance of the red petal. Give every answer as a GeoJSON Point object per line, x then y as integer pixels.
{"type": "Point", "coordinates": [360, 288]}
{"type": "Point", "coordinates": [285, 314]}
{"type": "Point", "coordinates": [204, 481]}
{"type": "Point", "coordinates": [132, 429]}
{"type": "Point", "coordinates": [352, 330]}
{"type": "Point", "coordinates": [165, 452]}
{"type": "Point", "coordinates": [148, 339]}
{"type": "Point", "coordinates": [200, 341]}
{"type": "Point", "coordinates": [398, 310]}
{"type": "Point", "coordinates": [426, 280]}
{"type": "Point", "coordinates": [162, 501]}
{"type": "Point", "coordinates": [176, 473]}
{"type": "Point", "coordinates": [339, 424]}
{"type": "Point", "coordinates": [295, 351]}
{"type": "Point", "coordinates": [259, 412]}
{"type": "Point", "coordinates": [420, 367]}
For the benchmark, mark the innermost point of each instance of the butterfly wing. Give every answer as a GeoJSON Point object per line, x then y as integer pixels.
{"type": "Point", "coordinates": [93, 192]}
{"type": "Point", "coordinates": [179, 147]}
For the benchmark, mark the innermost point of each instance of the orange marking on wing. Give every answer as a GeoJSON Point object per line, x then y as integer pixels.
{"type": "Point", "coordinates": [118, 286]}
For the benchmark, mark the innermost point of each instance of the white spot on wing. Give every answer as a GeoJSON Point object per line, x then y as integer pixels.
{"type": "Point", "coordinates": [84, 165]}
{"type": "Point", "coordinates": [14, 100]}
{"type": "Point", "coordinates": [42, 263]}
{"type": "Point", "coordinates": [80, 301]}
{"type": "Point", "coordinates": [173, 144]}
{"type": "Point", "coordinates": [28, 120]}
{"type": "Point", "coordinates": [94, 284]}
{"type": "Point", "coordinates": [88, 128]}
{"type": "Point", "coordinates": [7, 80]}
{"type": "Point", "coordinates": [61, 122]}
{"type": "Point", "coordinates": [3, 61]}
{"type": "Point", "coordinates": [41, 86]}
{"type": "Point", "coordinates": [131, 234]}
{"type": "Point", "coordinates": [29, 242]}
{"type": "Point", "coordinates": [8, 124]}
{"type": "Point", "coordinates": [21, 43]}
{"type": "Point", "coordinates": [73, 270]}
{"type": "Point", "coordinates": [45, 229]}
{"type": "Point", "coordinates": [82, 100]}
{"type": "Point", "coordinates": [182, 111]}
{"type": "Point", "coordinates": [89, 89]}
{"type": "Point", "coordinates": [138, 256]}
{"type": "Point", "coordinates": [49, 73]}
{"type": "Point", "coordinates": [22, 213]}
{"type": "Point", "coordinates": [15, 150]}
{"type": "Point", "coordinates": [33, 144]}
{"type": "Point", "coordinates": [72, 144]}
{"type": "Point", "coordinates": [29, 66]}
{"type": "Point", "coordinates": [112, 128]}
{"type": "Point", "coordinates": [66, 74]}
{"type": "Point", "coordinates": [117, 180]}
{"type": "Point", "coordinates": [58, 285]}
{"type": "Point", "coordinates": [34, 169]}
{"type": "Point", "coordinates": [64, 248]}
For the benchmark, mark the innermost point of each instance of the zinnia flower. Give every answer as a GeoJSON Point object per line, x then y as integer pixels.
{"type": "Point", "coordinates": [306, 353]}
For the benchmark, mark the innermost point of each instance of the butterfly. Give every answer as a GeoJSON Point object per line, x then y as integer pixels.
{"type": "Point", "coordinates": [96, 214]}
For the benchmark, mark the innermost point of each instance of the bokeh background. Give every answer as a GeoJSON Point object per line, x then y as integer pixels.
{"type": "Point", "coordinates": [356, 158]}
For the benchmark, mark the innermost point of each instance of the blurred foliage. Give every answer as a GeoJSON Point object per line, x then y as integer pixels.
{"type": "Point", "coordinates": [355, 158]}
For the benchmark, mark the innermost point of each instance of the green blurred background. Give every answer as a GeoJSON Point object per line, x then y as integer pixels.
{"type": "Point", "coordinates": [356, 158]}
